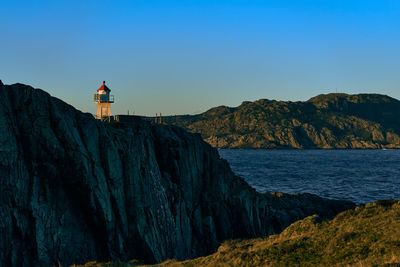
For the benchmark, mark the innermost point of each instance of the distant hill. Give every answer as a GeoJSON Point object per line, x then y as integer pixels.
{"type": "Point", "coordinates": [324, 121]}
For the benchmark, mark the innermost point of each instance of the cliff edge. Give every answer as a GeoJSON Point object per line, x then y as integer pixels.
{"type": "Point", "coordinates": [74, 189]}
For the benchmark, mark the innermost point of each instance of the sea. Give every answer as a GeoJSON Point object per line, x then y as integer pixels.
{"type": "Point", "coordinates": [361, 176]}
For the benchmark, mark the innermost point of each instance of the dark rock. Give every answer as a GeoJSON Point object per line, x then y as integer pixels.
{"type": "Point", "coordinates": [325, 121]}
{"type": "Point", "coordinates": [74, 189]}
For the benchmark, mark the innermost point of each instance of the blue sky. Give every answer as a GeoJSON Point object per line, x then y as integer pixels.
{"type": "Point", "coordinates": [184, 57]}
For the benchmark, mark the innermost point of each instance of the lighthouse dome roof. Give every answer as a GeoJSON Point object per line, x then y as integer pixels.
{"type": "Point", "coordinates": [103, 87]}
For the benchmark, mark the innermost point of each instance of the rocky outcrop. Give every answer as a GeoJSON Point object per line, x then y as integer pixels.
{"type": "Point", "coordinates": [365, 236]}
{"type": "Point", "coordinates": [74, 189]}
{"type": "Point", "coordinates": [325, 121]}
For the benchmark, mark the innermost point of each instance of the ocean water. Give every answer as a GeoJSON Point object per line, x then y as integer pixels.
{"type": "Point", "coordinates": [361, 176]}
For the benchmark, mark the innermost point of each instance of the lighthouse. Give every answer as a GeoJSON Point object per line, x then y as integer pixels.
{"type": "Point", "coordinates": [103, 100]}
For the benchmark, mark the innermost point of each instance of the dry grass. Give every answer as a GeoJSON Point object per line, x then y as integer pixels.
{"type": "Point", "coordinates": [110, 264]}
{"type": "Point", "coordinates": [365, 236]}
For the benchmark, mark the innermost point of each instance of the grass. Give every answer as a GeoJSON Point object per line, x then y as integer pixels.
{"type": "Point", "coordinates": [366, 236]}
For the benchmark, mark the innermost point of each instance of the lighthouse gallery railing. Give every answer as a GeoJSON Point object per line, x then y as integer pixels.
{"type": "Point", "coordinates": [103, 98]}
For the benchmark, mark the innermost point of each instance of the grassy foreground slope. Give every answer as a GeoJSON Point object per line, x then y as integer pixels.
{"type": "Point", "coordinates": [366, 236]}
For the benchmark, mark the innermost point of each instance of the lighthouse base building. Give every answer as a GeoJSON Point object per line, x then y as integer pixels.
{"type": "Point", "coordinates": [103, 110]}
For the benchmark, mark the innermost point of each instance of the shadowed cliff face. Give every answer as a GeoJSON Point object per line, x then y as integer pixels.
{"type": "Point", "coordinates": [73, 189]}
{"type": "Point", "coordinates": [325, 121]}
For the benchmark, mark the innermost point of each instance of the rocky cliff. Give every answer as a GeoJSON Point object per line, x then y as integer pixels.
{"type": "Point", "coordinates": [366, 236]}
{"type": "Point", "coordinates": [74, 189]}
{"type": "Point", "coordinates": [325, 121]}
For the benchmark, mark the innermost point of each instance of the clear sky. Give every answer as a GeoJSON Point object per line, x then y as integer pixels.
{"type": "Point", "coordinates": [184, 57]}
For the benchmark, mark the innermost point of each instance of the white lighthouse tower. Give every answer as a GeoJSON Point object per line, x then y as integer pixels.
{"type": "Point", "coordinates": [103, 100]}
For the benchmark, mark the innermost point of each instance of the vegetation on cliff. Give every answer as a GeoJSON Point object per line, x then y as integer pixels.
{"type": "Point", "coordinates": [366, 236]}
{"type": "Point", "coordinates": [324, 121]}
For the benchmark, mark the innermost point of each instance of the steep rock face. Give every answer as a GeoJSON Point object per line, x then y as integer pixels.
{"type": "Point", "coordinates": [73, 189]}
{"type": "Point", "coordinates": [366, 236]}
{"type": "Point", "coordinates": [325, 121]}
